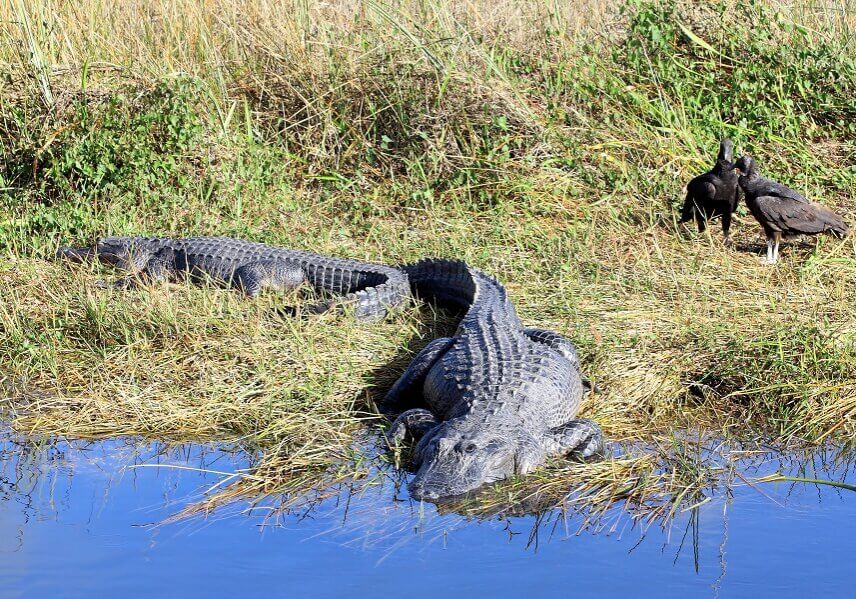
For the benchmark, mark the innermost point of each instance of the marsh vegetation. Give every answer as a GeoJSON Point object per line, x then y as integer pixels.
{"type": "Point", "coordinates": [546, 143]}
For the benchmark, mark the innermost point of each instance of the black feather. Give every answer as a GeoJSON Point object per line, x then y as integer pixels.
{"type": "Point", "coordinates": [713, 193]}
{"type": "Point", "coordinates": [781, 210]}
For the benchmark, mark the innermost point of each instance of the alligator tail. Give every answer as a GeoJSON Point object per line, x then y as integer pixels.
{"type": "Point", "coordinates": [450, 283]}
{"type": "Point", "coordinates": [380, 289]}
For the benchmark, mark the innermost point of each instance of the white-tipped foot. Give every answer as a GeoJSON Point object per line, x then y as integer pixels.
{"type": "Point", "coordinates": [772, 252]}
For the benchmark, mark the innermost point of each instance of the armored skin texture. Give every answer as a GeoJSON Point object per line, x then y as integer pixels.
{"type": "Point", "coordinates": [713, 193]}
{"type": "Point", "coordinates": [372, 289]}
{"type": "Point", "coordinates": [495, 400]}
{"type": "Point", "coordinates": [781, 211]}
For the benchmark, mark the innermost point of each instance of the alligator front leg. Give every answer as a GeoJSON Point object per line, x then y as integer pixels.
{"type": "Point", "coordinates": [280, 275]}
{"type": "Point", "coordinates": [415, 423]}
{"type": "Point", "coordinates": [414, 377]}
{"type": "Point", "coordinates": [561, 344]}
{"type": "Point", "coordinates": [158, 268]}
{"type": "Point", "coordinates": [581, 439]}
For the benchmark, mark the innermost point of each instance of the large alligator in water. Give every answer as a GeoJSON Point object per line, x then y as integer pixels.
{"type": "Point", "coordinates": [372, 289]}
{"type": "Point", "coordinates": [495, 400]}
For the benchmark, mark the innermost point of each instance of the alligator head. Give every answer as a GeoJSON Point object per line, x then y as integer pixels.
{"type": "Point", "coordinates": [458, 457]}
{"type": "Point", "coordinates": [129, 253]}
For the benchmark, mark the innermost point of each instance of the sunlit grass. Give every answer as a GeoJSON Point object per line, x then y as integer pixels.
{"type": "Point", "coordinates": [545, 144]}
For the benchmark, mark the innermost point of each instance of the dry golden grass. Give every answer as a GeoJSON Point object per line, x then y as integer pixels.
{"type": "Point", "coordinates": [502, 132]}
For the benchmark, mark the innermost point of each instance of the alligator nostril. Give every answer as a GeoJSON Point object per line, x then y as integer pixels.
{"type": "Point", "coordinates": [420, 493]}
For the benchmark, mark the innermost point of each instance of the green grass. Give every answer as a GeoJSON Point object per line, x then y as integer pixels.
{"type": "Point", "coordinates": [549, 147]}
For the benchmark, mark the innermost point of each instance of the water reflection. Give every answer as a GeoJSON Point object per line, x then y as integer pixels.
{"type": "Point", "coordinates": [78, 517]}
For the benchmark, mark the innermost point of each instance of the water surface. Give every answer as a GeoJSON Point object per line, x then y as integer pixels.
{"type": "Point", "coordinates": [82, 518]}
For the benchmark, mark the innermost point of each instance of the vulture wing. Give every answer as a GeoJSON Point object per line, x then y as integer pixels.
{"type": "Point", "coordinates": [775, 189]}
{"type": "Point", "coordinates": [794, 217]}
{"type": "Point", "coordinates": [701, 192]}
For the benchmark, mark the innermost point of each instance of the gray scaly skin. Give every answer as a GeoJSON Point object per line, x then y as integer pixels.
{"type": "Point", "coordinates": [373, 289]}
{"type": "Point", "coordinates": [495, 400]}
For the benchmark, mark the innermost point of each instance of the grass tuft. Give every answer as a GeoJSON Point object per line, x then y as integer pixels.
{"type": "Point", "coordinates": [547, 144]}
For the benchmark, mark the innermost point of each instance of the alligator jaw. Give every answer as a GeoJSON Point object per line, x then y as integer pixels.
{"type": "Point", "coordinates": [420, 493]}
{"type": "Point", "coordinates": [434, 494]}
{"type": "Point", "coordinates": [460, 483]}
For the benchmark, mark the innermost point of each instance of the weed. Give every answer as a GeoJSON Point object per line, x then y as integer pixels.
{"type": "Point", "coordinates": [546, 144]}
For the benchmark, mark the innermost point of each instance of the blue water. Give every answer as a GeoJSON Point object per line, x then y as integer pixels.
{"type": "Point", "coordinates": [83, 518]}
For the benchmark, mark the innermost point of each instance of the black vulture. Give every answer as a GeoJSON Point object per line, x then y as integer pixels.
{"type": "Point", "coordinates": [781, 211]}
{"type": "Point", "coordinates": [714, 193]}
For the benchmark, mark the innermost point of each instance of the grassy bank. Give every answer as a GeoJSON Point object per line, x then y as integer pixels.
{"type": "Point", "coordinates": [548, 145]}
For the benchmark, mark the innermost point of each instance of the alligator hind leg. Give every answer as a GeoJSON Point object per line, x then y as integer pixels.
{"type": "Point", "coordinates": [280, 275]}
{"type": "Point", "coordinates": [414, 377]}
{"type": "Point", "coordinates": [554, 340]}
{"type": "Point", "coordinates": [415, 422]}
{"type": "Point", "coordinates": [581, 439]}
{"type": "Point", "coordinates": [561, 344]}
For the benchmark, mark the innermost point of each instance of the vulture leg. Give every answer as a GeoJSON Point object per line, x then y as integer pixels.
{"type": "Point", "coordinates": [769, 259]}
{"type": "Point", "coordinates": [726, 228]}
{"type": "Point", "coordinates": [773, 240]}
{"type": "Point", "coordinates": [701, 220]}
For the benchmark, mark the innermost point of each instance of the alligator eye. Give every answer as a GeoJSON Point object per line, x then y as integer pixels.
{"type": "Point", "coordinates": [470, 447]}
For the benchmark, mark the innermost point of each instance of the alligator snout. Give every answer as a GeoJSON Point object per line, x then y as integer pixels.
{"type": "Point", "coordinates": [434, 494]}
{"type": "Point", "coordinates": [442, 491]}
{"type": "Point", "coordinates": [421, 493]}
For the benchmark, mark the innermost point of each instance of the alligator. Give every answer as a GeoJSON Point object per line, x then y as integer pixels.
{"type": "Point", "coordinates": [495, 400]}
{"type": "Point", "coordinates": [372, 289]}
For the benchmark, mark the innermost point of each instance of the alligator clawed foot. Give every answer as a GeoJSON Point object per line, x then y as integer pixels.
{"type": "Point", "coordinates": [305, 311]}
{"type": "Point", "coordinates": [413, 423]}
{"type": "Point", "coordinates": [123, 284]}
{"type": "Point", "coordinates": [288, 312]}
{"type": "Point", "coordinates": [580, 439]}
{"type": "Point", "coordinates": [592, 449]}
{"type": "Point", "coordinates": [589, 386]}
{"type": "Point", "coordinates": [396, 435]}
{"type": "Point", "coordinates": [593, 453]}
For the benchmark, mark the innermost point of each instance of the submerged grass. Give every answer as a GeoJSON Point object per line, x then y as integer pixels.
{"type": "Point", "coordinates": [547, 143]}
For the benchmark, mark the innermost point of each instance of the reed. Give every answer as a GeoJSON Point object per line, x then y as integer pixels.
{"type": "Point", "coordinates": [546, 143]}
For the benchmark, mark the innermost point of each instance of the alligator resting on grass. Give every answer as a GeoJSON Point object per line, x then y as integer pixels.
{"type": "Point", "coordinates": [372, 289]}
{"type": "Point", "coordinates": [495, 400]}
